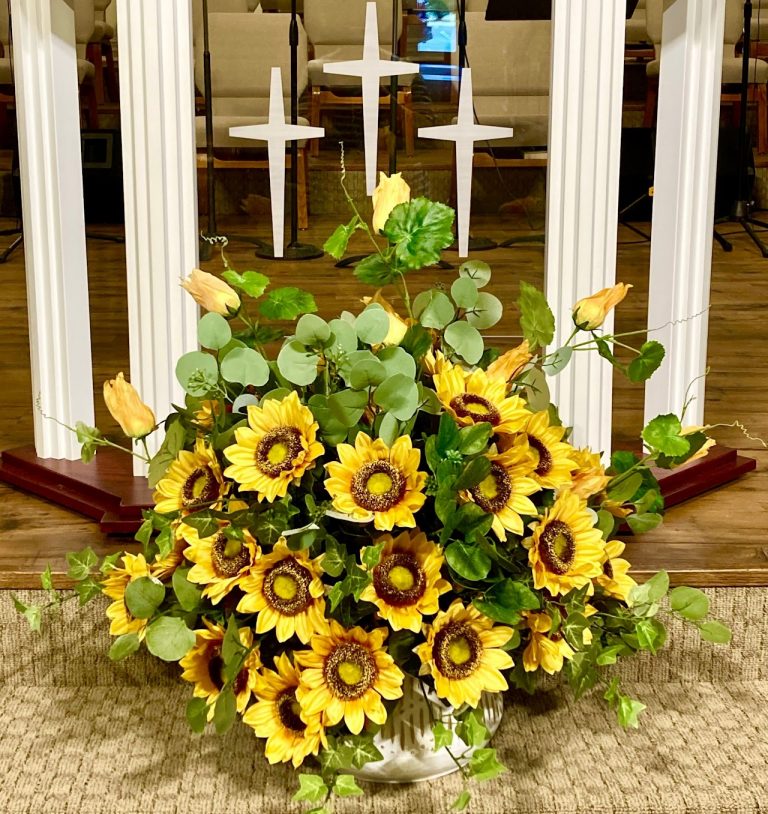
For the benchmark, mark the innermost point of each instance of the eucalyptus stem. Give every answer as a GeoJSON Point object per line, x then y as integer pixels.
{"type": "Point", "coordinates": [405, 294]}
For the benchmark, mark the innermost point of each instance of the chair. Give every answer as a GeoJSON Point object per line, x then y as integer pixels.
{"type": "Point", "coordinates": [731, 72]}
{"type": "Point", "coordinates": [217, 7]}
{"type": "Point", "coordinates": [244, 47]}
{"type": "Point", "coordinates": [638, 44]}
{"type": "Point", "coordinates": [336, 29]}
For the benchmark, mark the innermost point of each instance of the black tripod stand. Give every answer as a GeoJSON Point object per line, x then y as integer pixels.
{"type": "Point", "coordinates": [742, 208]}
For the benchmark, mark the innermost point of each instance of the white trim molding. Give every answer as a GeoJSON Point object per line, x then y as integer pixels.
{"type": "Point", "coordinates": [47, 106]}
{"type": "Point", "coordinates": [684, 201]}
{"type": "Point", "coordinates": [582, 195]}
{"type": "Point", "coordinates": [158, 131]}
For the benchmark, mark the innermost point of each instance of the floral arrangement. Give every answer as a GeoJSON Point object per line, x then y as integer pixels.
{"type": "Point", "coordinates": [385, 500]}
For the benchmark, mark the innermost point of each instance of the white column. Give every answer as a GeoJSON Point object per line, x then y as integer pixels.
{"type": "Point", "coordinates": [45, 65]}
{"type": "Point", "coordinates": [582, 195]}
{"type": "Point", "coordinates": [684, 196]}
{"type": "Point", "coordinates": [158, 131]}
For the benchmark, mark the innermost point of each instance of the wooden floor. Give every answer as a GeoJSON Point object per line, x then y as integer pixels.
{"type": "Point", "coordinates": [715, 539]}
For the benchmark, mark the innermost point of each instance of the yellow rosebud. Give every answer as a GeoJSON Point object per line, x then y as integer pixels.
{"type": "Point", "coordinates": [390, 192]}
{"type": "Point", "coordinates": [212, 293]}
{"type": "Point", "coordinates": [511, 364]}
{"type": "Point", "coordinates": [130, 412]}
{"type": "Point", "coordinates": [590, 313]}
{"type": "Point", "coordinates": [397, 325]}
{"type": "Point", "coordinates": [435, 362]}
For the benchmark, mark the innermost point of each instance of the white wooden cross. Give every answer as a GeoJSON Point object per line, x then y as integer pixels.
{"type": "Point", "coordinates": [277, 132]}
{"type": "Point", "coordinates": [370, 69]}
{"type": "Point", "coordinates": [465, 133]}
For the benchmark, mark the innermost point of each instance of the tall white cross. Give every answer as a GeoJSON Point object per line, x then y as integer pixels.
{"type": "Point", "coordinates": [371, 68]}
{"type": "Point", "coordinates": [465, 133]}
{"type": "Point", "coordinates": [277, 132]}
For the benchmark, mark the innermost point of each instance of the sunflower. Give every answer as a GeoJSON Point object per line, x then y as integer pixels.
{"type": "Point", "coordinates": [220, 562]}
{"type": "Point", "coordinates": [345, 676]}
{"type": "Point", "coordinates": [203, 666]}
{"type": "Point", "coordinates": [565, 551]}
{"type": "Point", "coordinates": [275, 449]}
{"type": "Point", "coordinates": [474, 397]}
{"type": "Point", "coordinates": [589, 477]}
{"type": "Point", "coordinates": [286, 590]}
{"type": "Point", "coordinates": [372, 481]}
{"type": "Point", "coordinates": [207, 413]}
{"type": "Point", "coordinates": [462, 654]}
{"type": "Point", "coordinates": [504, 492]}
{"type": "Point", "coordinates": [554, 458]}
{"type": "Point", "coordinates": [114, 586]}
{"type": "Point", "coordinates": [276, 716]}
{"type": "Point", "coordinates": [406, 583]}
{"type": "Point", "coordinates": [614, 579]}
{"type": "Point", "coordinates": [545, 651]}
{"type": "Point", "coordinates": [193, 481]}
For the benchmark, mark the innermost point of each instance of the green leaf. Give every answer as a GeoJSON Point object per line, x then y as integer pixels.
{"type": "Point", "coordinates": [398, 395]}
{"type": "Point", "coordinates": [296, 364]}
{"type": "Point", "coordinates": [464, 292]}
{"type": "Point", "coordinates": [311, 788]}
{"type": "Point", "coordinates": [197, 373]}
{"type": "Point", "coordinates": [188, 594]}
{"type": "Point", "coordinates": [651, 634]}
{"type": "Point", "coordinates": [647, 363]}
{"type": "Point", "coordinates": [197, 714]}
{"type": "Point", "coordinates": [611, 654]}
{"type": "Point", "coordinates": [373, 270]}
{"type": "Point", "coordinates": [663, 433]}
{"type": "Point", "coordinates": [205, 523]}
{"type": "Point", "coordinates": [361, 750]}
{"type": "Point", "coordinates": [448, 436]}
{"type": "Point", "coordinates": [433, 309]}
{"type": "Point", "coordinates": [472, 729]}
{"type": "Point", "coordinates": [475, 472]}
{"type": "Point", "coordinates": [312, 330]}
{"type": "Point", "coordinates": [287, 303]}
{"type": "Point", "coordinates": [606, 522]}
{"type": "Point", "coordinates": [245, 366]}
{"type": "Point", "coordinates": [625, 490]}
{"type": "Point", "coordinates": [536, 318]}
{"type": "Point", "coordinates": [477, 271]}
{"type": "Point", "coordinates": [252, 283]}
{"type": "Point", "coordinates": [367, 373]}
{"type": "Point", "coordinates": [46, 578]}
{"type": "Point", "coordinates": [124, 646]}
{"type": "Point", "coordinates": [337, 243]}
{"type": "Point", "coordinates": [81, 563]}
{"type": "Point", "coordinates": [468, 560]}
{"type": "Point", "coordinates": [396, 360]}
{"type": "Point", "coordinates": [486, 312]}
{"type": "Point", "coordinates": [558, 360]}
{"type": "Point", "coordinates": [536, 390]}
{"type": "Point", "coordinates": [505, 601]}
{"type": "Point", "coordinates": [371, 555]}
{"type": "Point", "coordinates": [345, 785]}
{"type": "Point", "coordinates": [474, 439]}
{"type": "Point", "coordinates": [604, 350]}
{"type": "Point", "coordinates": [420, 230]}
{"type": "Point", "coordinates": [343, 338]}
{"type": "Point", "coordinates": [143, 597]}
{"type": "Point", "coordinates": [169, 638]}
{"type": "Point", "coordinates": [465, 340]}
{"type": "Point", "coordinates": [213, 331]}
{"type": "Point", "coordinates": [372, 325]}
{"type": "Point", "coordinates": [484, 765]}
{"type": "Point", "coordinates": [715, 632]}
{"type": "Point", "coordinates": [640, 523]}
{"type": "Point", "coordinates": [32, 613]}
{"type": "Point", "coordinates": [443, 735]}
{"type": "Point", "coordinates": [690, 603]}
{"type": "Point", "coordinates": [653, 589]}
{"type": "Point", "coordinates": [348, 406]}
{"type": "Point", "coordinates": [389, 429]}
{"type": "Point", "coordinates": [462, 801]}
{"type": "Point", "coordinates": [417, 341]}
{"type": "Point", "coordinates": [334, 558]}
{"type": "Point", "coordinates": [87, 590]}
{"type": "Point", "coordinates": [628, 711]}
{"type": "Point", "coordinates": [225, 711]}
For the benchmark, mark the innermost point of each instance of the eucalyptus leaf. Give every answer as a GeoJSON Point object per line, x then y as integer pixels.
{"type": "Point", "coordinates": [213, 331]}
{"type": "Point", "coordinates": [367, 373]}
{"type": "Point", "coordinates": [143, 597]}
{"type": "Point", "coordinates": [343, 338]}
{"type": "Point", "coordinates": [241, 403]}
{"type": "Point", "coordinates": [389, 430]}
{"type": "Point", "coordinates": [397, 360]}
{"type": "Point", "coordinates": [486, 312]}
{"type": "Point", "coordinates": [433, 309]}
{"type": "Point", "coordinates": [477, 271]}
{"type": "Point", "coordinates": [169, 638]}
{"type": "Point", "coordinates": [372, 325]}
{"type": "Point", "coordinates": [296, 364]}
{"type": "Point", "coordinates": [466, 341]}
{"type": "Point", "coordinates": [312, 330]}
{"type": "Point", "coordinates": [558, 360]}
{"type": "Point", "coordinates": [245, 366]}
{"type": "Point", "coordinates": [398, 395]}
{"type": "Point", "coordinates": [197, 373]}
{"type": "Point", "coordinates": [464, 292]}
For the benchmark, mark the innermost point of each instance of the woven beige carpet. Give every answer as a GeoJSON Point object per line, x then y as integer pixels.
{"type": "Point", "coordinates": [79, 735]}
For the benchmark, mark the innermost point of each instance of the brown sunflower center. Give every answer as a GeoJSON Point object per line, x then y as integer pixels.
{"type": "Point", "coordinates": [277, 451]}
{"type": "Point", "coordinates": [457, 650]}
{"type": "Point", "coordinates": [286, 587]}
{"type": "Point", "coordinates": [478, 408]}
{"type": "Point", "coordinates": [557, 547]}
{"type": "Point", "coordinates": [494, 491]}
{"type": "Point", "coordinates": [378, 486]}
{"type": "Point", "coordinates": [289, 711]}
{"type": "Point", "coordinates": [229, 557]}
{"type": "Point", "coordinates": [544, 467]}
{"type": "Point", "coordinates": [350, 671]}
{"type": "Point", "coordinates": [216, 672]}
{"type": "Point", "coordinates": [608, 569]}
{"type": "Point", "coordinates": [199, 488]}
{"type": "Point", "coordinates": [399, 579]}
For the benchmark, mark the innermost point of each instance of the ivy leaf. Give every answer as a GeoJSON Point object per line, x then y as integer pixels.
{"type": "Point", "coordinates": [472, 729]}
{"type": "Point", "coordinates": [420, 230]}
{"type": "Point", "coordinates": [312, 789]}
{"type": "Point", "coordinates": [536, 318]}
{"type": "Point", "coordinates": [362, 750]}
{"type": "Point", "coordinates": [346, 786]}
{"type": "Point", "coordinates": [197, 714]}
{"type": "Point", "coordinates": [87, 590]}
{"type": "Point", "coordinates": [400, 645]}
{"type": "Point", "coordinates": [462, 801]}
{"type": "Point", "coordinates": [337, 243]}
{"type": "Point", "coordinates": [334, 558]}
{"type": "Point", "coordinates": [647, 363]}
{"type": "Point", "coordinates": [690, 603]}
{"type": "Point", "coordinates": [443, 735]}
{"type": "Point", "coordinates": [253, 283]}
{"type": "Point", "coordinates": [205, 523]}
{"type": "Point", "coordinates": [663, 433]}
{"type": "Point", "coordinates": [287, 303]}
{"type": "Point", "coordinates": [32, 613]}
{"type": "Point", "coordinates": [81, 563]}
{"type": "Point", "coordinates": [484, 765]}
{"type": "Point", "coordinates": [373, 270]}
{"type": "Point", "coordinates": [468, 560]}
{"type": "Point", "coordinates": [628, 711]}
{"type": "Point", "coordinates": [505, 601]}
{"type": "Point", "coordinates": [124, 646]}
{"type": "Point", "coordinates": [371, 555]}
{"type": "Point", "coordinates": [651, 634]}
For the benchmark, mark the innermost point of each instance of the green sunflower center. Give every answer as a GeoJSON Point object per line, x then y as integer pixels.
{"type": "Point", "coordinates": [544, 466]}
{"type": "Point", "coordinates": [350, 671]}
{"type": "Point", "coordinates": [478, 408]}
{"type": "Point", "coordinates": [289, 711]}
{"type": "Point", "coordinates": [493, 492]}
{"type": "Point", "coordinates": [557, 547]}
{"type": "Point", "coordinates": [378, 486]}
{"type": "Point", "coordinates": [457, 650]}
{"type": "Point", "coordinates": [216, 672]}
{"type": "Point", "coordinates": [399, 579]}
{"type": "Point", "coordinates": [277, 451]}
{"type": "Point", "coordinates": [199, 488]}
{"type": "Point", "coordinates": [286, 587]}
{"type": "Point", "coordinates": [229, 557]}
